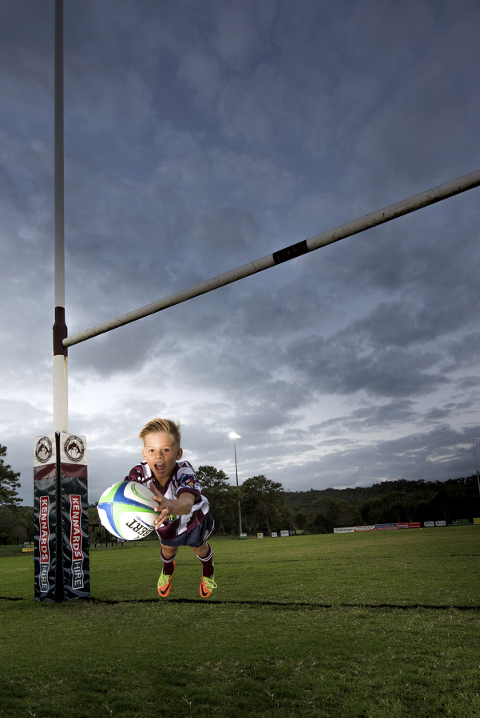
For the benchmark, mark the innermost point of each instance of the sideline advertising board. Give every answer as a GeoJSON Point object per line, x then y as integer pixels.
{"type": "Point", "coordinates": [364, 528]}
{"type": "Point", "coordinates": [385, 527]}
{"type": "Point", "coordinates": [399, 525]}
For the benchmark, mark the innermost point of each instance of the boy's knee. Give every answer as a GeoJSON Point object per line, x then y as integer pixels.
{"type": "Point", "coordinates": [202, 550]}
{"type": "Point", "coordinates": [169, 551]}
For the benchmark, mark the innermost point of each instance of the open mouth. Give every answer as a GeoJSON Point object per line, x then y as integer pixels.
{"type": "Point", "coordinates": [160, 467]}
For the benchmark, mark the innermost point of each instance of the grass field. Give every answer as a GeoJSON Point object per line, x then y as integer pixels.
{"type": "Point", "coordinates": [366, 625]}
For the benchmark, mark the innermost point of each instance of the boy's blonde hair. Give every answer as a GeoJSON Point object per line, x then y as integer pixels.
{"type": "Point", "coordinates": [166, 426]}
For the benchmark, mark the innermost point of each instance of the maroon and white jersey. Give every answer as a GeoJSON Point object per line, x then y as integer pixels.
{"type": "Point", "coordinates": [182, 479]}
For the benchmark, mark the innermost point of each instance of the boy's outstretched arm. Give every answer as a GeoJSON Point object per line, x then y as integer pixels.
{"type": "Point", "coordinates": [176, 507]}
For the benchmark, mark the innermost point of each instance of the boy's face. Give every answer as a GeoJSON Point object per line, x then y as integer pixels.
{"type": "Point", "coordinates": [160, 452]}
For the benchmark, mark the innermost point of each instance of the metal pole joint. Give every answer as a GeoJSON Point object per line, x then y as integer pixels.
{"type": "Point", "coordinates": [60, 332]}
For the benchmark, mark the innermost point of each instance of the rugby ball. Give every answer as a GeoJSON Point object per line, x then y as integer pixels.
{"type": "Point", "coordinates": [127, 510]}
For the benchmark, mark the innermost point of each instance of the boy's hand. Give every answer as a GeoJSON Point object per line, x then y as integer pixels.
{"type": "Point", "coordinates": [163, 510]}
{"type": "Point", "coordinates": [174, 507]}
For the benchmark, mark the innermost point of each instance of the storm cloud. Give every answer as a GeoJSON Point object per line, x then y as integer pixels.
{"type": "Point", "coordinates": [200, 136]}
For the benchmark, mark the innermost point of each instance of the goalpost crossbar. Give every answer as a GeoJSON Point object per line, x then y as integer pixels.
{"type": "Point", "coordinates": [424, 199]}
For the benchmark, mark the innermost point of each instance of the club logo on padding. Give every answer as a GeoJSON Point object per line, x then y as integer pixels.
{"type": "Point", "coordinates": [74, 448]}
{"type": "Point", "coordinates": [43, 450]}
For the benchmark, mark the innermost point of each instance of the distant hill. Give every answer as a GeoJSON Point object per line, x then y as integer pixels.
{"type": "Point", "coordinates": [389, 501]}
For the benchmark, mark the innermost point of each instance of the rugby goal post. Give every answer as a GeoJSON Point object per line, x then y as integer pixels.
{"type": "Point", "coordinates": [61, 549]}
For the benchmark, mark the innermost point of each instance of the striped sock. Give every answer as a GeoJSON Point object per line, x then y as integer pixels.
{"type": "Point", "coordinates": [168, 564]}
{"type": "Point", "coordinates": [207, 563]}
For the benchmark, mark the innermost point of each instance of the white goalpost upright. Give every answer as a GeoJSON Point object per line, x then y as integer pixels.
{"type": "Point", "coordinates": [60, 459]}
{"type": "Point", "coordinates": [60, 354]}
{"type": "Point", "coordinates": [61, 550]}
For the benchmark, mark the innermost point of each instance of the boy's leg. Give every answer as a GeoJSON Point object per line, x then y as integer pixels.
{"type": "Point", "coordinates": [164, 584]}
{"type": "Point", "coordinates": [207, 584]}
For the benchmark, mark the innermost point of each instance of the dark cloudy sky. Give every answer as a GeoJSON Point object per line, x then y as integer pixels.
{"type": "Point", "coordinates": [199, 136]}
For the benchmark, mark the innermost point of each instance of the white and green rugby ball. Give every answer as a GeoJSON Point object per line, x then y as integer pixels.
{"type": "Point", "coordinates": [127, 510]}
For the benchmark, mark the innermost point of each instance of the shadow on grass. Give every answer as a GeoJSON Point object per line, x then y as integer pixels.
{"type": "Point", "coordinates": [273, 604]}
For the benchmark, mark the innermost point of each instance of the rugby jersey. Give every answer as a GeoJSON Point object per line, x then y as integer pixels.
{"type": "Point", "coordinates": [182, 479]}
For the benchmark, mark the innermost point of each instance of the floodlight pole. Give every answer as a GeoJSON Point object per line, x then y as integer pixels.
{"type": "Point", "coordinates": [60, 352]}
{"type": "Point", "coordinates": [235, 436]}
{"type": "Point", "coordinates": [236, 476]}
{"type": "Point", "coordinates": [476, 465]}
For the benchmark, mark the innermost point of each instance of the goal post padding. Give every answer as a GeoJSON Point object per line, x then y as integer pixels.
{"type": "Point", "coordinates": [45, 517]}
{"type": "Point", "coordinates": [62, 570]}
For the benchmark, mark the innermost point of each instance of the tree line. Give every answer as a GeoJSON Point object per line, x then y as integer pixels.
{"type": "Point", "coordinates": [266, 507]}
{"type": "Point", "coordinates": [387, 502]}
{"type": "Point", "coordinates": [16, 522]}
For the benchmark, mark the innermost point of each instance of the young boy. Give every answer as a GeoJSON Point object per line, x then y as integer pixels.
{"type": "Point", "coordinates": [184, 514]}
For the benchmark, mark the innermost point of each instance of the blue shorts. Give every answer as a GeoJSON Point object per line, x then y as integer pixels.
{"type": "Point", "coordinates": [196, 537]}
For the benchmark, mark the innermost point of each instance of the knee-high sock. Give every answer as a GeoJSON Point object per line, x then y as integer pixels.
{"type": "Point", "coordinates": [168, 564]}
{"type": "Point", "coordinates": [207, 562]}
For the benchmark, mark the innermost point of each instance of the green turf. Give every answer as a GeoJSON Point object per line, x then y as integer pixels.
{"type": "Point", "coordinates": [356, 625]}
